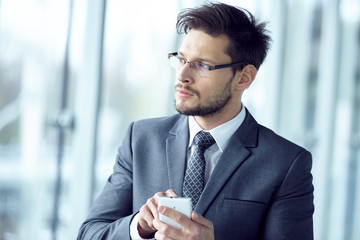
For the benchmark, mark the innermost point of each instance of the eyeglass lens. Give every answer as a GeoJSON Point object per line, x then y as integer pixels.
{"type": "Point", "coordinates": [196, 67]}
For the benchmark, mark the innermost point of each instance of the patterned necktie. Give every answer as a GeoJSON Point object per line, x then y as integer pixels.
{"type": "Point", "coordinates": [195, 172]}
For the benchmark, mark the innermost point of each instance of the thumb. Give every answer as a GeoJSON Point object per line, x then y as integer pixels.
{"type": "Point", "coordinates": [201, 220]}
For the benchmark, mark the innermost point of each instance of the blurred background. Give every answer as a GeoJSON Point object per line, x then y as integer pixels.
{"type": "Point", "coordinates": [75, 73]}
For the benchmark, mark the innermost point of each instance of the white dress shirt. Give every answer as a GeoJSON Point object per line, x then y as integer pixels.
{"type": "Point", "coordinates": [221, 134]}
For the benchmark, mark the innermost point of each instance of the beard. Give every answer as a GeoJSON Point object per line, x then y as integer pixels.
{"type": "Point", "coordinates": [211, 105]}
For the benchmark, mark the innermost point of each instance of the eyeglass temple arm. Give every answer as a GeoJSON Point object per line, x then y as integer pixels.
{"type": "Point", "coordinates": [228, 65]}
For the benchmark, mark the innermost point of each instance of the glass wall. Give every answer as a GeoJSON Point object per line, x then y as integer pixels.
{"type": "Point", "coordinates": [75, 73]}
{"type": "Point", "coordinates": [33, 40]}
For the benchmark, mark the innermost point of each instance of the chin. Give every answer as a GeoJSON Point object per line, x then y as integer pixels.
{"type": "Point", "coordinates": [183, 109]}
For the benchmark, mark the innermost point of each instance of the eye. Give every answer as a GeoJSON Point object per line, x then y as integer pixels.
{"type": "Point", "coordinates": [203, 65]}
{"type": "Point", "coordinates": [182, 61]}
{"type": "Point", "coordinates": [199, 65]}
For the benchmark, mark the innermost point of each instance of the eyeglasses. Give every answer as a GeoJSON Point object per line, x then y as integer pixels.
{"type": "Point", "coordinates": [200, 69]}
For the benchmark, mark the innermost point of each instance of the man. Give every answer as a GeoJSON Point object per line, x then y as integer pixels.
{"type": "Point", "coordinates": [252, 183]}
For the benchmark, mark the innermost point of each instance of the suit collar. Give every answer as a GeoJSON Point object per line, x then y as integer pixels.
{"type": "Point", "coordinates": [247, 133]}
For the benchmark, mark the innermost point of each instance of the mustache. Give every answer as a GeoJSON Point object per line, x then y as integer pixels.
{"type": "Point", "coordinates": [187, 88]}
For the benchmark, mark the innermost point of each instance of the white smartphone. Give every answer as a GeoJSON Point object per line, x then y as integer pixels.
{"type": "Point", "coordinates": [182, 205]}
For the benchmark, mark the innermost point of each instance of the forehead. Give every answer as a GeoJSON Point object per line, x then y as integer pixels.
{"type": "Point", "coordinates": [198, 44]}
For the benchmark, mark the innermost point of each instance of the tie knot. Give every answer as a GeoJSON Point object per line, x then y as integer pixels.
{"type": "Point", "coordinates": [203, 139]}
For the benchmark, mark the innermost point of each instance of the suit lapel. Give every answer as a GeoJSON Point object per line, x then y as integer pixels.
{"type": "Point", "coordinates": [227, 164]}
{"type": "Point", "coordinates": [176, 147]}
{"type": "Point", "coordinates": [235, 153]}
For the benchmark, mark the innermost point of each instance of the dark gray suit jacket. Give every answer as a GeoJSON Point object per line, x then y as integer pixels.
{"type": "Point", "coordinates": [261, 187]}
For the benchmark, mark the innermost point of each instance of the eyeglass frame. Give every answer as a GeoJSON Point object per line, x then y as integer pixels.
{"type": "Point", "coordinates": [211, 68]}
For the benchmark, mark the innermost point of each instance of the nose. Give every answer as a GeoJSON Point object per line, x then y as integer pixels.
{"type": "Point", "coordinates": [185, 74]}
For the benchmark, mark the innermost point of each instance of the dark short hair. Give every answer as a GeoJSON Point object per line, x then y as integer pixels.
{"type": "Point", "coordinates": [249, 40]}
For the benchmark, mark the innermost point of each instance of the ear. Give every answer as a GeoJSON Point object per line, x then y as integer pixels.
{"type": "Point", "coordinates": [245, 77]}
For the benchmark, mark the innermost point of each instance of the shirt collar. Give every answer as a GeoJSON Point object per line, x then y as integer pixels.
{"type": "Point", "coordinates": [221, 133]}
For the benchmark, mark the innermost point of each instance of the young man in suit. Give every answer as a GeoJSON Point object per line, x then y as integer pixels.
{"type": "Point", "coordinates": [254, 184]}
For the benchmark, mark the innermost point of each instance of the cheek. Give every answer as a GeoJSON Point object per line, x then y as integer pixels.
{"type": "Point", "coordinates": [206, 90]}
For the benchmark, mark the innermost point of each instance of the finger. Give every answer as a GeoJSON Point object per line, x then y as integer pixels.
{"type": "Point", "coordinates": [146, 217]}
{"type": "Point", "coordinates": [157, 195]}
{"type": "Point", "coordinates": [201, 220]}
{"type": "Point", "coordinates": [148, 212]}
{"type": "Point", "coordinates": [160, 194]}
{"type": "Point", "coordinates": [152, 204]}
{"type": "Point", "coordinates": [165, 231]}
{"type": "Point", "coordinates": [171, 193]}
{"type": "Point", "coordinates": [160, 236]}
{"type": "Point", "coordinates": [175, 215]}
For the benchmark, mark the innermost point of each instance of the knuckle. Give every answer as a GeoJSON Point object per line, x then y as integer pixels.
{"type": "Point", "coordinates": [166, 230]}
{"type": "Point", "coordinates": [196, 231]}
{"type": "Point", "coordinates": [148, 201]}
{"type": "Point", "coordinates": [150, 224]}
{"type": "Point", "coordinates": [179, 218]}
{"type": "Point", "coordinates": [159, 236]}
{"type": "Point", "coordinates": [142, 209]}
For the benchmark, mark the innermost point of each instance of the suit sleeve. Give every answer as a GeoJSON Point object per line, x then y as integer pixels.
{"type": "Point", "coordinates": [290, 213]}
{"type": "Point", "coordinates": [111, 213]}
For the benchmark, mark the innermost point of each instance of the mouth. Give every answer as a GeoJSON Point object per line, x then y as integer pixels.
{"type": "Point", "coordinates": [183, 93]}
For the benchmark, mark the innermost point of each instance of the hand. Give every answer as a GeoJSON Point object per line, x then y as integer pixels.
{"type": "Point", "coordinates": [148, 212]}
{"type": "Point", "coordinates": [195, 228]}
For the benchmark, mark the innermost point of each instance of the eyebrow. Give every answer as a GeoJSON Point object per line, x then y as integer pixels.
{"type": "Point", "coordinates": [199, 59]}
